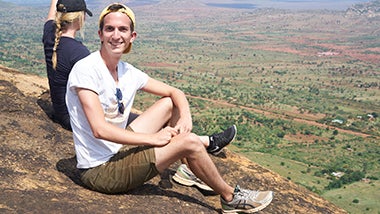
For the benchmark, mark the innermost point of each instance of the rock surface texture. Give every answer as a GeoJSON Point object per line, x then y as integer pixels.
{"type": "Point", "coordinates": [38, 174]}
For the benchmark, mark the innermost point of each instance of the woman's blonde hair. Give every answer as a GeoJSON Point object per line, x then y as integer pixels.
{"type": "Point", "coordinates": [62, 21]}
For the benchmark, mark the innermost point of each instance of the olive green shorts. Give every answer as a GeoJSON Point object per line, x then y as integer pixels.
{"type": "Point", "coordinates": [129, 168]}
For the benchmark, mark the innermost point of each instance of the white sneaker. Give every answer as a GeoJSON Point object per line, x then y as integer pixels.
{"type": "Point", "coordinates": [186, 177]}
{"type": "Point", "coordinates": [247, 201]}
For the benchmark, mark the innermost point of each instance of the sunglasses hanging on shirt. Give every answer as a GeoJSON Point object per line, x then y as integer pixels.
{"type": "Point", "coordinates": [120, 104]}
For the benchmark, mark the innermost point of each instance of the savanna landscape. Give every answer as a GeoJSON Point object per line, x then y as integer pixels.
{"type": "Point", "coordinates": [302, 86]}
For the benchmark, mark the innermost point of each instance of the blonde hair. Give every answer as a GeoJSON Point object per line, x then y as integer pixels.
{"type": "Point", "coordinates": [62, 21]}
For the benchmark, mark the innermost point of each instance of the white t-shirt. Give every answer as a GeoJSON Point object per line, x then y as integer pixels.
{"type": "Point", "coordinates": [91, 73]}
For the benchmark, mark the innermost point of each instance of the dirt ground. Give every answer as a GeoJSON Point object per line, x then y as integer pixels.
{"type": "Point", "coordinates": [38, 174]}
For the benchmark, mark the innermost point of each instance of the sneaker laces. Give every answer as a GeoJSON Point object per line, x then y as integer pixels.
{"type": "Point", "coordinates": [219, 137]}
{"type": "Point", "coordinates": [243, 193]}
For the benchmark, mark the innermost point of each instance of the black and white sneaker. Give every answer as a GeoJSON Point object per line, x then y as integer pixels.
{"type": "Point", "coordinates": [219, 140]}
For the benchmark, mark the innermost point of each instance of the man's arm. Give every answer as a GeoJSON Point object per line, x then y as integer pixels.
{"type": "Point", "coordinates": [103, 130]}
{"type": "Point", "coordinates": [184, 124]}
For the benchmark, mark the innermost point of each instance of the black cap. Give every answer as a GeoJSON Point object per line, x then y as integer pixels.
{"type": "Point", "coordinates": [66, 6]}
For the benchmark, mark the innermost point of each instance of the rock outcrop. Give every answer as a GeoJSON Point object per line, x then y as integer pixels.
{"type": "Point", "coordinates": [38, 174]}
{"type": "Point", "coordinates": [370, 9]}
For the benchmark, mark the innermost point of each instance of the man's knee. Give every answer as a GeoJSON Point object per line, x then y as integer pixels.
{"type": "Point", "coordinates": [166, 104]}
{"type": "Point", "coordinates": [193, 143]}
{"type": "Point", "coordinates": [166, 101]}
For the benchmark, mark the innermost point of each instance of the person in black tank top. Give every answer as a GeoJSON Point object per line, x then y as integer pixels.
{"type": "Point", "coordinates": [62, 50]}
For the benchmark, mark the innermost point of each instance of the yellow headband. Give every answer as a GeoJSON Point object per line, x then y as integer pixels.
{"type": "Point", "coordinates": [118, 7]}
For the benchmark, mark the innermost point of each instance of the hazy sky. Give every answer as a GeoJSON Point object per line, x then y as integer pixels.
{"type": "Point", "coordinates": [283, 4]}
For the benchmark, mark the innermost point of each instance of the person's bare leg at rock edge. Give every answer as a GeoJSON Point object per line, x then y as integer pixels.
{"type": "Point", "coordinates": [189, 146]}
{"type": "Point", "coordinates": [185, 145]}
{"type": "Point", "coordinates": [159, 115]}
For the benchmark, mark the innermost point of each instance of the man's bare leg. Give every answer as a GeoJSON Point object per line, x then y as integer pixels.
{"type": "Point", "coordinates": [154, 118]}
{"type": "Point", "coordinates": [189, 146]}
{"type": "Point", "coordinates": [157, 116]}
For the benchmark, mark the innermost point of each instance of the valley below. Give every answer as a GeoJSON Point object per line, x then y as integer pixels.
{"type": "Point", "coordinates": [302, 86]}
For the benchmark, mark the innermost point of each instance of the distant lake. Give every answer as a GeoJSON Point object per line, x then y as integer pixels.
{"type": "Point", "coordinates": [234, 5]}
{"type": "Point", "coordinates": [239, 4]}
{"type": "Point", "coordinates": [288, 4]}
